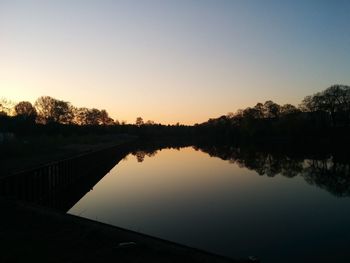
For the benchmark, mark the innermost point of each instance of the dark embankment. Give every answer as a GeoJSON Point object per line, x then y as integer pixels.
{"type": "Point", "coordinates": [33, 234]}
{"type": "Point", "coordinates": [28, 152]}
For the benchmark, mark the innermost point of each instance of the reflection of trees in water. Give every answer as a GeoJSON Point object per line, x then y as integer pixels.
{"type": "Point", "coordinates": [140, 154]}
{"type": "Point", "coordinates": [329, 175]}
{"type": "Point", "coordinates": [325, 172]}
{"type": "Point", "coordinates": [151, 148]}
{"type": "Point", "coordinates": [261, 162]}
{"type": "Point", "coordinates": [322, 170]}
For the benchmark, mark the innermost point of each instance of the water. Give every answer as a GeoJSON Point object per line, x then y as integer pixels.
{"type": "Point", "coordinates": [296, 210]}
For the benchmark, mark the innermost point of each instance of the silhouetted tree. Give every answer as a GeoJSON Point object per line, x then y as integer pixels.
{"type": "Point", "coordinates": [85, 116]}
{"type": "Point", "coordinates": [105, 119]}
{"type": "Point", "coordinates": [2, 110]}
{"type": "Point", "coordinates": [6, 106]}
{"type": "Point", "coordinates": [93, 117]}
{"type": "Point", "coordinates": [26, 110]}
{"type": "Point", "coordinates": [80, 116]}
{"type": "Point", "coordinates": [271, 109]}
{"type": "Point", "coordinates": [335, 100]}
{"type": "Point", "coordinates": [53, 110]}
{"type": "Point", "coordinates": [149, 122]}
{"type": "Point", "coordinates": [288, 109]}
{"type": "Point", "coordinates": [251, 113]}
{"type": "Point", "coordinates": [139, 121]}
{"type": "Point", "coordinates": [259, 110]}
{"type": "Point", "coordinates": [308, 104]}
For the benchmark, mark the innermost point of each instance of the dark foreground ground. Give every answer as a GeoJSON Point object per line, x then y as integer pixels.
{"type": "Point", "coordinates": [31, 233]}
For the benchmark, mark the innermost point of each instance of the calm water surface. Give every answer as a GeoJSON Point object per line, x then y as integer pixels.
{"type": "Point", "coordinates": [188, 197]}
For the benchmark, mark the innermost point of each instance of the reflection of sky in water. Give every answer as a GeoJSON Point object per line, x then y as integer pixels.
{"type": "Point", "coordinates": [191, 198]}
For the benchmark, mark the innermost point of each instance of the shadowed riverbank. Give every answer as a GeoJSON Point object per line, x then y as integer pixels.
{"type": "Point", "coordinates": [32, 233]}
{"type": "Point", "coordinates": [23, 154]}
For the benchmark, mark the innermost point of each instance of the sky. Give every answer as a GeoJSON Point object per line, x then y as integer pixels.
{"type": "Point", "coordinates": [172, 61]}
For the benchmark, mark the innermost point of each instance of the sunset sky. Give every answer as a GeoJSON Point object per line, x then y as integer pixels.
{"type": "Point", "coordinates": [172, 61]}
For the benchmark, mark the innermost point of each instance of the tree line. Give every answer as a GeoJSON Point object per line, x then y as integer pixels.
{"type": "Point", "coordinates": [318, 114]}
{"type": "Point", "coordinates": [48, 110]}
{"type": "Point", "coordinates": [53, 116]}
{"type": "Point", "coordinates": [324, 114]}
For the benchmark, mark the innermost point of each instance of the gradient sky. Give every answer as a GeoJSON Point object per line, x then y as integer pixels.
{"type": "Point", "coordinates": [172, 61]}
